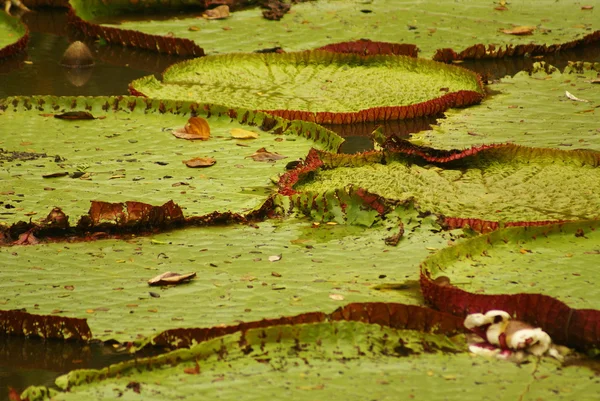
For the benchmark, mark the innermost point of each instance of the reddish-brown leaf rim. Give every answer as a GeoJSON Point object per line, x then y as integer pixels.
{"type": "Point", "coordinates": [481, 51]}
{"type": "Point", "coordinates": [130, 38]}
{"type": "Point", "coordinates": [120, 220]}
{"type": "Point", "coordinates": [398, 316]}
{"type": "Point", "coordinates": [368, 47]}
{"type": "Point", "coordinates": [17, 47]}
{"type": "Point", "coordinates": [429, 108]}
{"type": "Point", "coordinates": [19, 323]}
{"type": "Point", "coordinates": [577, 328]}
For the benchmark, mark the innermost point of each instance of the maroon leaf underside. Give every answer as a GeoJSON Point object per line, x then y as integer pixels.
{"type": "Point", "coordinates": [487, 226]}
{"type": "Point", "coordinates": [45, 326]}
{"type": "Point", "coordinates": [46, 3]}
{"type": "Point", "coordinates": [396, 145]}
{"type": "Point", "coordinates": [131, 38]}
{"type": "Point", "coordinates": [15, 48]}
{"type": "Point", "coordinates": [119, 220]}
{"type": "Point", "coordinates": [577, 328]}
{"type": "Point", "coordinates": [368, 47]}
{"type": "Point", "coordinates": [386, 113]}
{"type": "Point", "coordinates": [481, 51]}
{"type": "Point", "coordinates": [398, 316]}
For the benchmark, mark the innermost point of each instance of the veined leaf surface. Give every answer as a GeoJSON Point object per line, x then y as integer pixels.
{"type": "Point", "coordinates": [319, 86]}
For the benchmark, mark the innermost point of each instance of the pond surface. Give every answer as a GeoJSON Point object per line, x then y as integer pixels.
{"type": "Point", "coordinates": [25, 362]}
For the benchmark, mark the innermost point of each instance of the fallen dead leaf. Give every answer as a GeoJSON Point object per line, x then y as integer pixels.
{"type": "Point", "coordinates": [274, 258]}
{"type": "Point", "coordinates": [263, 155]}
{"type": "Point", "coordinates": [519, 30]}
{"type": "Point", "coordinates": [239, 133]}
{"type": "Point", "coordinates": [75, 115]}
{"type": "Point", "coordinates": [196, 128]}
{"type": "Point", "coordinates": [54, 175]}
{"type": "Point", "coordinates": [200, 162]}
{"type": "Point", "coordinates": [170, 278]}
{"type": "Point", "coordinates": [587, 7]}
{"type": "Point", "coordinates": [192, 371]}
{"type": "Point", "coordinates": [336, 297]}
{"type": "Point", "coordinates": [574, 98]}
{"type": "Point", "coordinates": [220, 12]}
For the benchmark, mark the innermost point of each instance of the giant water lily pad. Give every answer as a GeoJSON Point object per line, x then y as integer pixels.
{"type": "Point", "coordinates": [237, 278]}
{"type": "Point", "coordinates": [509, 269]}
{"type": "Point", "coordinates": [319, 86]}
{"type": "Point", "coordinates": [431, 25]}
{"type": "Point", "coordinates": [13, 35]}
{"type": "Point", "coordinates": [127, 152]}
{"type": "Point", "coordinates": [505, 183]}
{"type": "Point", "coordinates": [530, 109]}
{"type": "Point", "coordinates": [304, 361]}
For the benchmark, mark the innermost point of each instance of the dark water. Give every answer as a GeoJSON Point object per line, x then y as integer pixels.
{"type": "Point", "coordinates": [25, 362]}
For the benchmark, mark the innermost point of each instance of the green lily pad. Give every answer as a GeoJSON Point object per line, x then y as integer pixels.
{"type": "Point", "coordinates": [558, 261]}
{"type": "Point", "coordinates": [319, 86]}
{"type": "Point", "coordinates": [508, 269]}
{"type": "Point", "coordinates": [106, 281]}
{"type": "Point", "coordinates": [319, 360]}
{"type": "Point", "coordinates": [530, 109]}
{"type": "Point", "coordinates": [505, 183]}
{"type": "Point", "coordinates": [127, 152]}
{"type": "Point", "coordinates": [14, 35]}
{"type": "Point", "coordinates": [431, 25]}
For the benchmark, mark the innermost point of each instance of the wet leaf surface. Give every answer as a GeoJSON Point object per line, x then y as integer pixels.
{"type": "Point", "coordinates": [223, 256]}
{"type": "Point", "coordinates": [528, 109]}
{"type": "Point", "coordinates": [425, 25]}
{"type": "Point", "coordinates": [147, 168]}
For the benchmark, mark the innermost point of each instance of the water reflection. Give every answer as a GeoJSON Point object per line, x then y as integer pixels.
{"type": "Point", "coordinates": [358, 136]}
{"type": "Point", "coordinates": [38, 72]}
{"type": "Point", "coordinates": [25, 362]}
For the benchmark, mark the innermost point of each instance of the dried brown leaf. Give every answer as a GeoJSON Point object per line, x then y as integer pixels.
{"type": "Point", "coordinates": [519, 30]}
{"type": "Point", "coordinates": [54, 175]}
{"type": "Point", "coordinates": [220, 12]}
{"type": "Point", "coordinates": [171, 278]}
{"type": "Point", "coordinates": [75, 115]}
{"type": "Point", "coordinates": [239, 133]}
{"type": "Point", "coordinates": [196, 128]}
{"type": "Point", "coordinates": [200, 162]}
{"type": "Point", "coordinates": [263, 155]}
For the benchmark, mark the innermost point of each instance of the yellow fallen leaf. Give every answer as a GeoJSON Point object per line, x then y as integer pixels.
{"type": "Point", "coordinates": [200, 162]}
{"type": "Point", "coordinates": [520, 30]}
{"type": "Point", "coordinates": [239, 133]}
{"type": "Point", "coordinates": [196, 128]}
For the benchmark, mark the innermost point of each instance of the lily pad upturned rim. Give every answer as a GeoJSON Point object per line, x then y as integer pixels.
{"type": "Point", "coordinates": [20, 44]}
{"type": "Point", "coordinates": [131, 38]}
{"type": "Point", "coordinates": [433, 106]}
{"type": "Point", "coordinates": [307, 202]}
{"type": "Point", "coordinates": [577, 328]}
{"type": "Point", "coordinates": [481, 51]}
{"type": "Point", "coordinates": [394, 315]}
